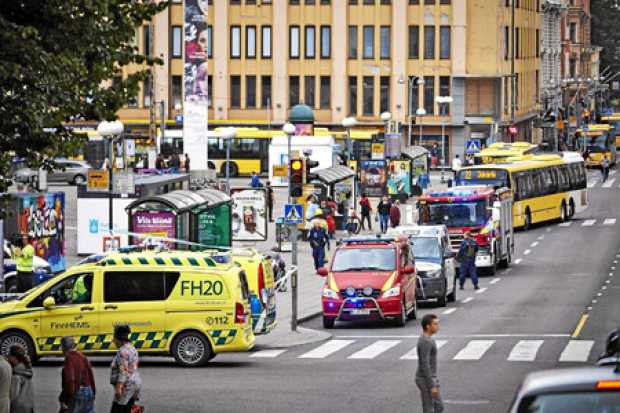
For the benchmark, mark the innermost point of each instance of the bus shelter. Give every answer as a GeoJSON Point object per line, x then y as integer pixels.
{"type": "Point", "coordinates": [418, 157]}
{"type": "Point", "coordinates": [339, 184]}
{"type": "Point", "coordinates": [202, 216]}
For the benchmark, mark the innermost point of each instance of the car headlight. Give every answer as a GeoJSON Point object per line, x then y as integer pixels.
{"type": "Point", "coordinates": [367, 291]}
{"type": "Point", "coordinates": [434, 273]}
{"type": "Point", "coordinates": [392, 292]}
{"type": "Point", "coordinates": [350, 291]}
{"type": "Point", "coordinates": [329, 293]}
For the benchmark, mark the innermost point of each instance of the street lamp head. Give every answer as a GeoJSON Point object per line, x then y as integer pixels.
{"type": "Point", "coordinates": [288, 128]}
{"type": "Point", "coordinates": [420, 112]}
{"type": "Point", "coordinates": [229, 133]}
{"type": "Point", "coordinates": [110, 128]}
{"type": "Point", "coordinates": [386, 116]}
{"type": "Point", "coordinates": [349, 122]}
{"type": "Point", "coordinates": [420, 81]}
{"type": "Point", "coordinates": [402, 80]}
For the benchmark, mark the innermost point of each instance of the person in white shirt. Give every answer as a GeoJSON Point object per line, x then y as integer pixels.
{"type": "Point", "coordinates": [456, 165]}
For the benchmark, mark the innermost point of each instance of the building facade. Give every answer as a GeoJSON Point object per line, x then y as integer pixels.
{"type": "Point", "coordinates": [355, 58]}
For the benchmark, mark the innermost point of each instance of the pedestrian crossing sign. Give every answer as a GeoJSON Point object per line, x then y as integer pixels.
{"type": "Point", "coordinates": [472, 146]}
{"type": "Point", "coordinates": [293, 213]}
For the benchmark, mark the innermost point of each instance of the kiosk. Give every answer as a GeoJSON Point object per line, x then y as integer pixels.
{"type": "Point", "coordinates": [339, 182]}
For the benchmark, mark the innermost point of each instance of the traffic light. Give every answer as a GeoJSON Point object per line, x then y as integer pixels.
{"type": "Point", "coordinates": [296, 171]}
{"type": "Point", "coordinates": [308, 165]}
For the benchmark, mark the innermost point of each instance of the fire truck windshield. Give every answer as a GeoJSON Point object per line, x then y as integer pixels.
{"type": "Point", "coordinates": [463, 214]}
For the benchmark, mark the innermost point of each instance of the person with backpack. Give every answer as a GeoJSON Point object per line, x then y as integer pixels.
{"type": "Point", "coordinates": [383, 209]}
{"type": "Point", "coordinates": [365, 209]}
{"type": "Point", "coordinates": [467, 258]}
{"type": "Point", "coordinates": [22, 387]}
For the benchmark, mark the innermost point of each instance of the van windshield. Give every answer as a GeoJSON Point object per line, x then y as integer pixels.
{"type": "Point", "coordinates": [364, 259]}
{"type": "Point", "coordinates": [592, 402]}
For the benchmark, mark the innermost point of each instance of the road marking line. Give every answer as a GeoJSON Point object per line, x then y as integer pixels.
{"type": "Point", "coordinates": [474, 350]}
{"type": "Point", "coordinates": [577, 350]}
{"type": "Point", "coordinates": [533, 244]}
{"type": "Point", "coordinates": [580, 324]}
{"type": "Point", "coordinates": [609, 183]}
{"type": "Point", "coordinates": [326, 349]}
{"type": "Point", "coordinates": [518, 260]}
{"type": "Point", "coordinates": [527, 252]}
{"type": "Point", "coordinates": [449, 311]}
{"type": "Point", "coordinates": [612, 172]}
{"type": "Point", "coordinates": [375, 349]}
{"type": "Point", "coordinates": [499, 335]}
{"type": "Point", "coordinates": [413, 353]}
{"type": "Point", "coordinates": [542, 237]}
{"type": "Point", "coordinates": [565, 224]}
{"type": "Point", "coordinates": [480, 291]}
{"type": "Point", "coordinates": [525, 350]}
{"type": "Point", "coordinates": [609, 221]}
{"type": "Point", "coordinates": [548, 230]}
{"type": "Point", "coordinates": [588, 222]}
{"type": "Point", "coordinates": [495, 281]}
{"type": "Point", "coordinates": [268, 354]}
{"type": "Point", "coordinates": [592, 183]}
{"type": "Point", "coordinates": [468, 299]}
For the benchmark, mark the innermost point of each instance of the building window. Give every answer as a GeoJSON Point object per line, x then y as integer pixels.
{"type": "Point", "coordinates": [516, 99]}
{"type": "Point", "coordinates": [429, 1]}
{"type": "Point", "coordinates": [177, 39]}
{"type": "Point", "coordinates": [235, 2]}
{"type": "Point", "coordinates": [309, 88]}
{"type": "Point", "coordinates": [235, 91]}
{"type": "Point", "coordinates": [266, 45]}
{"type": "Point", "coordinates": [444, 90]}
{"type": "Point", "coordinates": [352, 42]}
{"type": "Point", "coordinates": [265, 91]}
{"type": "Point", "coordinates": [429, 42]}
{"type": "Point", "coordinates": [310, 42]}
{"type": "Point", "coordinates": [209, 91]}
{"type": "Point", "coordinates": [326, 42]}
{"type": "Point", "coordinates": [385, 43]}
{"type": "Point", "coordinates": [384, 101]}
{"type": "Point", "coordinates": [444, 42]}
{"type": "Point", "coordinates": [293, 90]}
{"type": "Point", "coordinates": [293, 2]}
{"type": "Point", "coordinates": [146, 37]}
{"type": "Point", "coordinates": [250, 91]}
{"type": "Point", "coordinates": [537, 43]}
{"type": "Point", "coordinates": [444, 1]}
{"type": "Point", "coordinates": [537, 86]}
{"type": "Point", "coordinates": [325, 92]}
{"type": "Point", "coordinates": [572, 67]}
{"type": "Point", "coordinates": [250, 40]}
{"type": "Point", "coordinates": [352, 2]}
{"type": "Point", "coordinates": [352, 95]}
{"type": "Point", "coordinates": [177, 91]}
{"type": "Point", "coordinates": [369, 42]}
{"type": "Point", "coordinates": [572, 32]}
{"type": "Point", "coordinates": [414, 42]}
{"type": "Point", "coordinates": [369, 2]}
{"type": "Point", "coordinates": [415, 93]}
{"type": "Point", "coordinates": [506, 94]}
{"type": "Point", "coordinates": [310, 2]}
{"type": "Point", "coordinates": [326, 2]}
{"type": "Point", "coordinates": [414, 2]}
{"type": "Point", "coordinates": [235, 42]}
{"type": "Point", "coordinates": [368, 88]}
{"type": "Point", "coordinates": [429, 95]}
{"type": "Point", "coordinates": [147, 91]}
{"type": "Point", "coordinates": [517, 45]}
{"type": "Point", "coordinates": [506, 42]}
{"type": "Point", "coordinates": [293, 38]}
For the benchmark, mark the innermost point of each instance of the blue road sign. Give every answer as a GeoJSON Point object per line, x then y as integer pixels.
{"type": "Point", "coordinates": [178, 118]}
{"type": "Point", "coordinates": [472, 146]}
{"type": "Point", "coordinates": [293, 213]}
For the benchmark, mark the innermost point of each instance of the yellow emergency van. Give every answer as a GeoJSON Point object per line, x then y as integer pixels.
{"type": "Point", "coordinates": [176, 303]}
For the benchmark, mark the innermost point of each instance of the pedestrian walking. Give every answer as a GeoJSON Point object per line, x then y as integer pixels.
{"type": "Point", "coordinates": [467, 258]}
{"type": "Point", "coordinates": [395, 214]}
{"type": "Point", "coordinates": [318, 240]}
{"type": "Point", "coordinates": [605, 168]}
{"type": "Point", "coordinates": [365, 209]}
{"type": "Point", "coordinates": [383, 209]}
{"type": "Point", "coordinates": [124, 375]}
{"type": "Point", "coordinates": [457, 164]}
{"type": "Point", "coordinates": [159, 162]}
{"type": "Point", "coordinates": [23, 254]}
{"type": "Point", "coordinates": [5, 385]}
{"type": "Point", "coordinates": [255, 181]}
{"type": "Point", "coordinates": [187, 163]}
{"type": "Point", "coordinates": [78, 381]}
{"type": "Point", "coordinates": [22, 387]}
{"type": "Point", "coordinates": [270, 200]}
{"type": "Point", "coordinates": [426, 375]}
{"type": "Point", "coordinates": [175, 163]}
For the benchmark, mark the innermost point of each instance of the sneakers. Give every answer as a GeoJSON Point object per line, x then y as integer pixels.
{"type": "Point", "coordinates": [476, 287]}
{"type": "Point", "coordinates": [461, 286]}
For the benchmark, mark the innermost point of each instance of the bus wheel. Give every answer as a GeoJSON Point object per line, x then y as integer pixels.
{"type": "Point", "coordinates": [571, 208]}
{"type": "Point", "coordinates": [563, 215]}
{"type": "Point", "coordinates": [528, 219]}
{"type": "Point", "coordinates": [233, 171]}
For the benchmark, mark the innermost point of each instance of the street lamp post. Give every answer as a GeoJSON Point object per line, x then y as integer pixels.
{"type": "Point", "coordinates": [443, 102]}
{"type": "Point", "coordinates": [228, 134]}
{"type": "Point", "coordinates": [348, 123]}
{"type": "Point", "coordinates": [289, 129]}
{"type": "Point", "coordinates": [109, 130]}
{"type": "Point", "coordinates": [421, 112]}
{"type": "Point", "coordinates": [409, 82]}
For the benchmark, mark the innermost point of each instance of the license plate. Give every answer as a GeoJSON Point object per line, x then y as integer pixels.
{"type": "Point", "coordinates": [362, 311]}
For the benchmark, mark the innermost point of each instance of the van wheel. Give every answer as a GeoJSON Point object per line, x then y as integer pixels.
{"type": "Point", "coordinates": [493, 267]}
{"type": "Point", "coordinates": [414, 313]}
{"type": "Point", "coordinates": [443, 300]}
{"type": "Point", "coordinates": [401, 320]}
{"type": "Point", "coordinates": [505, 263]}
{"type": "Point", "coordinates": [328, 322]}
{"type": "Point", "coordinates": [528, 219]}
{"type": "Point", "coordinates": [563, 215]}
{"type": "Point", "coordinates": [571, 208]}
{"type": "Point", "coordinates": [10, 285]}
{"type": "Point", "coordinates": [17, 338]}
{"type": "Point", "coordinates": [452, 295]}
{"type": "Point", "coordinates": [191, 349]}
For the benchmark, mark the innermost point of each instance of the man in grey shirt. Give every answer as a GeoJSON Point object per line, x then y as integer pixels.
{"type": "Point", "coordinates": [426, 375]}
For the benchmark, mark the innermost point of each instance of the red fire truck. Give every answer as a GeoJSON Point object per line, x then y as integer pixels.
{"type": "Point", "coordinates": [482, 210]}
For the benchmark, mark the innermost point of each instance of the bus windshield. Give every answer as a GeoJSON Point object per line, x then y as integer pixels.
{"type": "Point", "coordinates": [594, 143]}
{"type": "Point", "coordinates": [494, 177]}
{"type": "Point", "coordinates": [465, 214]}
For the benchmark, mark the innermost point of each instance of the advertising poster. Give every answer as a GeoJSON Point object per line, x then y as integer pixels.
{"type": "Point", "coordinates": [154, 223]}
{"type": "Point", "coordinates": [249, 214]}
{"type": "Point", "coordinates": [399, 178]}
{"type": "Point", "coordinates": [42, 218]}
{"type": "Point", "coordinates": [373, 177]}
{"type": "Point", "coordinates": [304, 129]}
{"type": "Point", "coordinates": [392, 145]}
{"type": "Point", "coordinates": [214, 226]}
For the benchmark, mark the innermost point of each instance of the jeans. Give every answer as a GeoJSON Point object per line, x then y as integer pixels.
{"type": "Point", "coordinates": [383, 221]}
{"type": "Point", "coordinates": [120, 408]}
{"type": "Point", "coordinates": [83, 401]}
{"type": "Point", "coordinates": [429, 404]}
{"type": "Point", "coordinates": [318, 253]}
{"type": "Point", "coordinates": [468, 267]}
{"type": "Point", "coordinates": [366, 217]}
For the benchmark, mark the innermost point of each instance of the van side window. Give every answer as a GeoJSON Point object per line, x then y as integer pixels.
{"type": "Point", "coordinates": [120, 286]}
{"type": "Point", "coordinates": [76, 289]}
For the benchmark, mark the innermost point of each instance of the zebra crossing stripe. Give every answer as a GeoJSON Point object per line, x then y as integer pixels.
{"type": "Point", "coordinates": [326, 349]}
{"type": "Point", "coordinates": [592, 183]}
{"type": "Point", "coordinates": [413, 353]}
{"type": "Point", "coordinates": [609, 221]}
{"type": "Point", "coordinates": [525, 350]}
{"type": "Point", "coordinates": [375, 349]}
{"type": "Point", "coordinates": [588, 222]}
{"type": "Point", "coordinates": [268, 354]}
{"type": "Point", "coordinates": [577, 350]}
{"type": "Point", "coordinates": [609, 183]}
{"type": "Point", "coordinates": [474, 350]}
{"type": "Point", "coordinates": [612, 172]}
{"type": "Point", "coordinates": [565, 224]}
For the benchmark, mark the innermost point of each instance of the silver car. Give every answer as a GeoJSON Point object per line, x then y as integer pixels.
{"type": "Point", "coordinates": [66, 170]}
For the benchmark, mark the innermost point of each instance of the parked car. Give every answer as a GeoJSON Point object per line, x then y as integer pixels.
{"type": "Point", "coordinates": [66, 170]}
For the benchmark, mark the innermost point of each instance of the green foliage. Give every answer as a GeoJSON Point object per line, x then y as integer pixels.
{"type": "Point", "coordinates": [55, 59]}
{"type": "Point", "coordinates": [605, 31]}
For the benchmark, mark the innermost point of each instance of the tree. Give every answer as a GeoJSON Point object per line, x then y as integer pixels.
{"type": "Point", "coordinates": [604, 26]}
{"type": "Point", "coordinates": [56, 62]}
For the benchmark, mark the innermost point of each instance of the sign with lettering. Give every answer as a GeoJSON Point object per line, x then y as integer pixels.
{"type": "Point", "coordinates": [154, 223]}
{"type": "Point", "coordinates": [98, 180]}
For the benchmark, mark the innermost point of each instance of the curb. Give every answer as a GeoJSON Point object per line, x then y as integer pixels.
{"type": "Point", "coordinates": [309, 316]}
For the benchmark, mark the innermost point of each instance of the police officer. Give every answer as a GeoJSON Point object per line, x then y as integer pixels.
{"type": "Point", "coordinates": [23, 254]}
{"type": "Point", "coordinates": [318, 238]}
{"type": "Point", "coordinates": [467, 258]}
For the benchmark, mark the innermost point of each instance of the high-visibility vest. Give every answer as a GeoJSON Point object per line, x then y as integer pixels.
{"type": "Point", "coordinates": [23, 258]}
{"type": "Point", "coordinates": [79, 291]}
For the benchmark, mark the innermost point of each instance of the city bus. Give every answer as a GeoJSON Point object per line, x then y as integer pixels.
{"type": "Point", "coordinates": [597, 141]}
{"type": "Point", "coordinates": [502, 151]}
{"type": "Point", "coordinates": [545, 187]}
{"type": "Point", "coordinates": [613, 120]}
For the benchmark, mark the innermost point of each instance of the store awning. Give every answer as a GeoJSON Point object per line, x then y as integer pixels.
{"type": "Point", "coordinates": [414, 151]}
{"type": "Point", "coordinates": [183, 200]}
{"type": "Point", "coordinates": [334, 174]}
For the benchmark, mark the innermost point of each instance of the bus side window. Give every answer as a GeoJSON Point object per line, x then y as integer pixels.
{"type": "Point", "coordinates": [563, 178]}
{"type": "Point", "coordinates": [538, 183]}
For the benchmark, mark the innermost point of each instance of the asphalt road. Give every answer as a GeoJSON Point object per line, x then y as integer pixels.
{"type": "Point", "coordinates": [520, 321]}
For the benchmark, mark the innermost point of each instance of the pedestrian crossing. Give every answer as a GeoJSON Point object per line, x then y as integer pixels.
{"type": "Point", "coordinates": [596, 183]}
{"type": "Point", "coordinates": [527, 350]}
{"type": "Point", "coordinates": [596, 222]}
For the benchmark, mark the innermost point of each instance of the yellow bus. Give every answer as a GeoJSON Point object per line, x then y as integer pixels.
{"type": "Point", "coordinates": [613, 120]}
{"type": "Point", "coordinates": [545, 187]}
{"type": "Point", "coordinates": [597, 141]}
{"type": "Point", "coordinates": [501, 151]}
